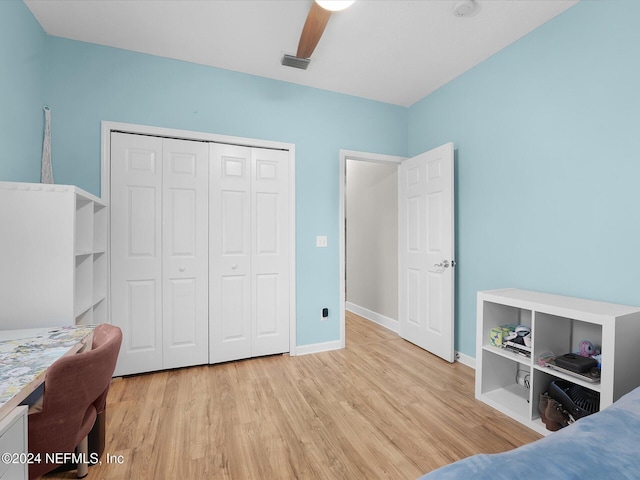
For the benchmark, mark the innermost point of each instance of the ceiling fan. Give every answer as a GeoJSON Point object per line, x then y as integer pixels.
{"type": "Point", "coordinates": [314, 26]}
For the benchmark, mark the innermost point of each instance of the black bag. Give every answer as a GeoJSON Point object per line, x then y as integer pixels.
{"type": "Point", "coordinates": [576, 400]}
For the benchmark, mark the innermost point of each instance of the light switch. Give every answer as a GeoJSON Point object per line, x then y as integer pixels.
{"type": "Point", "coordinates": [321, 241]}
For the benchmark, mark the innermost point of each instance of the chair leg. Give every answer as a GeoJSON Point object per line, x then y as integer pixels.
{"type": "Point", "coordinates": [83, 450]}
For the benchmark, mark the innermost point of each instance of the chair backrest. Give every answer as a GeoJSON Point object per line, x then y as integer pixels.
{"type": "Point", "coordinates": [73, 384]}
{"type": "Point", "coordinates": [105, 333]}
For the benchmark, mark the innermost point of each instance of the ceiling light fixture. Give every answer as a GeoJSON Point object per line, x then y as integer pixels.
{"type": "Point", "coordinates": [335, 5]}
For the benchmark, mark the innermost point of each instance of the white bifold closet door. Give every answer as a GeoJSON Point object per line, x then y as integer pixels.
{"type": "Point", "coordinates": [248, 252]}
{"type": "Point", "coordinates": [159, 251]}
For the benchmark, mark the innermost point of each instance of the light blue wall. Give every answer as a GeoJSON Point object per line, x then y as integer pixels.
{"type": "Point", "coordinates": [548, 161]}
{"type": "Point", "coordinates": [88, 83]}
{"type": "Point", "coordinates": [22, 44]}
{"type": "Point", "coordinates": [545, 131]}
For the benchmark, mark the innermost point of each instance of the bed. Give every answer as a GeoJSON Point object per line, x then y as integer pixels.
{"type": "Point", "coordinates": [602, 445]}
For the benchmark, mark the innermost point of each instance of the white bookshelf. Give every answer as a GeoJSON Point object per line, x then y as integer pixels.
{"type": "Point", "coordinates": [558, 324]}
{"type": "Point", "coordinates": [54, 256]}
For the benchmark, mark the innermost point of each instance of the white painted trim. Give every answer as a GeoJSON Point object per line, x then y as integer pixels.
{"type": "Point", "coordinates": [382, 320]}
{"type": "Point", "coordinates": [344, 156]}
{"type": "Point", "coordinates": [293, 349]}
{"type": "Point", "coordinates": [465, 360]}
{"type": "Point", "coordinates": [319, 347]}
{"type": "Point", "coordinates": [107, 127]}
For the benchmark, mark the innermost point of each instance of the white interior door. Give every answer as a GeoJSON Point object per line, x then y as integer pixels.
{"type": "Point", "coordinates": [230, 253]}
{"type": "Point", "coordinates": [136, 250]}
{"type": "Point", "coordinates": [249, 252]}
{"type": "Point", "coordinates": [159, 251]}
{"type": "Point", "coordinates": [270, 251]}
{"type": "Point", "coordinates": [185, 268]}
{"type": "Point", "coordinates": [426, 251]}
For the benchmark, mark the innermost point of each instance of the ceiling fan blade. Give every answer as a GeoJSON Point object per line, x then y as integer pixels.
{"type": "Point", "coordinates": [312, 30]}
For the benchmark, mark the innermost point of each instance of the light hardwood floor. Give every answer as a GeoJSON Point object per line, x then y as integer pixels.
{"type": "Point", "coordinates": [380, 408]}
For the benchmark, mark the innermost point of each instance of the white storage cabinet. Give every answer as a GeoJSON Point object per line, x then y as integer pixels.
{"type": "Point", "coordinates": [558, 324]}
{"type": "Point", "coordinates": [53, 254]}
{"type": "Point", "coordinates": [13, 442]}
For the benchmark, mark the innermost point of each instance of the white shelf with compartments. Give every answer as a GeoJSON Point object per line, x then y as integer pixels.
{"type": "Point", "coordinates": [53, 256]}
{"type": "Point", "coordinates": [558, 324]}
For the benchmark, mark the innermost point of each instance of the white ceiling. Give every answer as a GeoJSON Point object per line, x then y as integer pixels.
{"type": "Point", "coordinates": [394, 51]}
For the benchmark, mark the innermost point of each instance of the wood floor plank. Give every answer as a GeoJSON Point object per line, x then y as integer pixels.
{"type": "Point", "coordinates": [380, 408]}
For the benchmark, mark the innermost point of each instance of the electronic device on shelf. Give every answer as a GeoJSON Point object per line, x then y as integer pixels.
{"type": "Point", "coordinates": [517, 348]}
{"type": "Point", "coordinates": [576, 363]}
{"type": "Point", "coordinates": [592, 376]}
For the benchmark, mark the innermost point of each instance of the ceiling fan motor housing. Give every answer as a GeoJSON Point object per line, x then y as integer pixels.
{"type": "Point", "coordinates": [295, 62]}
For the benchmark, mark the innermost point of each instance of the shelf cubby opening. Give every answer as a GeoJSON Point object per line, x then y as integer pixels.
{"type": "Point", "coordinates": [99, 228]}
{"type": "Point", "coordinates": [100, 312]}
{"type": "Point", "coordinates": [99, 276]}
{"type": "Point", "coordinates": [83, 283]}
{"type": "Point", "coordinates": [85, 318]}
{"type": "Point", "coordinates": [561, 335]}
{"type": "Point", "coordinates": [498, 315]}
{"type": "Point", "coordinates": [84, 225]}
{"type": "Point", "coordinates": [502, 386]}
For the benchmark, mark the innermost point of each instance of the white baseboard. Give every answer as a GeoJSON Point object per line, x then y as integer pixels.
{"type": "Point", "coordinates": [466, 360]}
{"type": "Point", "coordinates": [381, 320]}
{"type": "Point", "coordinates": [319, 347]}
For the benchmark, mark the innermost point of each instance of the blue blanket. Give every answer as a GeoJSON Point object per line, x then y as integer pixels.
{"type": "Point", "coordinates": [605, 445]}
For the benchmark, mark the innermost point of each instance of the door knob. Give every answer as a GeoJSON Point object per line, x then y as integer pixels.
{"type": "Point", "coordinates": [181, 268]}
{"type": "Point", "coordinates": [444, 264]}
{"type": "Point", "coordinates": [234, 266]}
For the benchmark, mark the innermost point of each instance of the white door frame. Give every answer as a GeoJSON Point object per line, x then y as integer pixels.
{"type": "Point", "coordinates": [365, 157]}
{"type": "Point", "coordinates": [105, 187]}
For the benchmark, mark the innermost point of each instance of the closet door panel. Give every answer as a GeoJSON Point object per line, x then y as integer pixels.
{"type": "Point", "coordinates": [233, 329]}
{"type": "Point", "coordinates": [142, 222]}
{"type": "Point", "coordinates": [136, 260]}
{"type": "Point", "coordinates": [185, 252]}
{"type": "Point", "coordinates": [141, 314]}
{"type": "Point", "coordinates": [266, 304]}
{"type": "Point", "coordinates": [267, 217]}
{"type": "Point", "coordinates": [181, 317]}
{"type": "Point", "coordinates": [230, 253]}
{"type": "Point", "coordinates": [234, 205]}
{"type": "Point", "coordinates": [270, 251]}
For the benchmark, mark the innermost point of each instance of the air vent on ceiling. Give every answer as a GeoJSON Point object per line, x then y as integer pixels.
{"type": "Point", "coordinates": [295, 62]}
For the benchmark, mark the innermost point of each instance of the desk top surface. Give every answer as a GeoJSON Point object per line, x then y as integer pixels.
{"type": "Point", "coordinates": [25, 356]}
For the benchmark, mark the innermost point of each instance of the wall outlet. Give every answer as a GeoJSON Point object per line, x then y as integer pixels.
{"type": "Point", "coordinates": [321, 241]}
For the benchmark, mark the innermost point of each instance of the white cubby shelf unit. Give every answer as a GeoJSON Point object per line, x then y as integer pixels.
{"type": "Point", "coordinates": [558, 324]}
{"type": "Point", "coordinates": [54, 256]}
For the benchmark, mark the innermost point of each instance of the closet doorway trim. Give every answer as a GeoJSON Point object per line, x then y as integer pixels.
{"type": "Point", "coordinates": [105, 184]}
